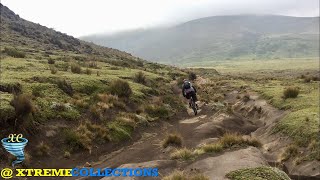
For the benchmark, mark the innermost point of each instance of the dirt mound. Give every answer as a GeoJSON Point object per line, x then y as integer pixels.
{"type": "Point", "coordinates": [223, 123]}
{"type": "Point", "coordinates": [218, 167]}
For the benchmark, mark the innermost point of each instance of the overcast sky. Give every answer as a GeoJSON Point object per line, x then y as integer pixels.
{"type": "Point", "coordinates": [79, 17]}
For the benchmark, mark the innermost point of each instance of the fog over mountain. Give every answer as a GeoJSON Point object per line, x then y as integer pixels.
{"type": "Point", "coordinates": [109, 16]}
{"type": "Point", "coordinates": [221, 38]}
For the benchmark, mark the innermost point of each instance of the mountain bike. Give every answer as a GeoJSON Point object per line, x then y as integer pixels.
{"type": "Point", "coordinates": [194, 106]}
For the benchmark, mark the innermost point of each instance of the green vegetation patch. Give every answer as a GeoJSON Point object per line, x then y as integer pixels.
{"type": "Point", "coordinates": [301, 125]}
{"type": "Point", "coordinates": [259, 173]}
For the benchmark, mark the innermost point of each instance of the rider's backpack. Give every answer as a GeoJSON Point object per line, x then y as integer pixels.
{"type": "Point", "coordinates": [187, 85]}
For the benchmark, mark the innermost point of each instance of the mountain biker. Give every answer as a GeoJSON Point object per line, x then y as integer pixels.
{"type": "Point", "coordinates": [189, 91]}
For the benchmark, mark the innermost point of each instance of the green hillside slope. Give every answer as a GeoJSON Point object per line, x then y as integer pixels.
{"type": "Point", "coordinates": [67, 96]}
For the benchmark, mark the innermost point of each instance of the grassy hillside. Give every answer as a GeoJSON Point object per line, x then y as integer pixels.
{"type": "Point", "coordinates": [68, 96]}
{"type": "Point", "coordinates": [221, 38]}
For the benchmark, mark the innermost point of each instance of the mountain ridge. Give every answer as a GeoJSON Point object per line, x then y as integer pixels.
{"type": "Point", "coordinates": [23, 34]}
{"type": "Point", "coordinates": [221, 38]}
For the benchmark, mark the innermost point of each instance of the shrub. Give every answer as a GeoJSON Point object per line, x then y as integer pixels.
{"type": "Point", "coordinates": [23, 105]}
{"type": "Point", "coordinates": [140, 78]}
{"type": "Point", "coordinates": [88, 71]}
{"type": "Point", "coordinates": [76, 68]}
{"type": "Point", "coordinates": [172, 139]}
{"type": "Point", "coordinates": [43, 149]}
{"type": "Point", "coordinates": [120, 88]}
{"type": "Point", "coordinates": [53, 70]}
{"type": "Point", "coordinates": [291, 92]}
{"type": "Point", "coordinates": [65, 86]}
{"type": "Point", "coordinates": [192, 76]}
{"type": "Point", "coordinates": [14, 53]}
{"type": "Point", "coordinates": [51, 61]}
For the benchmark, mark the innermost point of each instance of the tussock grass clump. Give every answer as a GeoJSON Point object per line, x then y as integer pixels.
{"type": "Point", "coordinates": [85, 135]}
{"type": "Point", "coordinates": [63, 66]}
{"type": "Point", "coordinates": [212, 148]}
{"type": "Point", "coordinates": [100, 133]}
{"type": "Point", "coordinates": [14, 52]}
{"type": "Point", "coordinates": [183, 154]}
{"type": "Point", "coordinates": [76, 68]}
{"type": "Point", "coordinates": [307, 79]}
{"type": "Point", "coordinates": [246, 97]}
{"type": "Point", "coordinates": [140, 77]}
{"type": "Point", "coordinates": [232, 139]}
{"type": "Point", "coordinates": [14, 88]}
{"type": "Point", "coordinates": [157, 111]}
{"type": "Point", "coordinates": [174, 101]}
{"type": "Point", "coordinates": [314, 145]}
{"type": "Point", "coordinates": [192, 76]}
{"type": "Point", "coordinates": [76, 140]}
{"type": "Point", "coordinates": [180, 175]}
{"type": "Point", "coordinates": [316, 78]}
{"type": "Point", "coordinates": [172, 139]}
{"type": "Point", "coordinates": [291, 92]}
{"type": "Point", "coordinates": [88, 71]}
{"type": "Point", "coordinates": [120, 88]}
{"type": "Point", "coordinates": [53, 70]}
{"type": "Point", "coordinates": [93, 64]}
{"type": "Point", "coordinates": [103, 103]}
{"type": "Point", "coordinates": [67, 154]}
{"type": "Point", "coordinates": [23, 105]}
{"type": "Point", "coordinates": [290, 151]}
{"type": "Point", "coordinates": [51, 61]}
{"type": "Point", "coordinates": [228, 140]}
{"type": "Point", "coordinates": [119, 131]}
{"type": "Point", "coordinates": [65, 86]}
{"type": "Point", "coordinates": [43, 149]}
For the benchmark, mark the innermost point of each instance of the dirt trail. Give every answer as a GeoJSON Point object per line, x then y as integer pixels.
{"type": "Point", "coordinates": [252, 117]}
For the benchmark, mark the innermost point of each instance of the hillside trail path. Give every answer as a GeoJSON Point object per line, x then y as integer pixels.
{"type": "Point", "coordinates": [252, 118]}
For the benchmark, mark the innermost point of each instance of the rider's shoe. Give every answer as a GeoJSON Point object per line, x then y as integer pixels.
{"type": "Point", "coordinates": [189, 105]}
